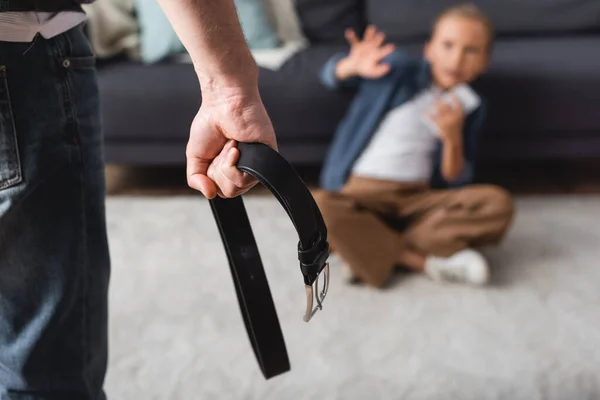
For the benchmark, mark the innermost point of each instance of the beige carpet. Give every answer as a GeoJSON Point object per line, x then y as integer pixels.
{"type": "Point", "coordinates": [177, 333]}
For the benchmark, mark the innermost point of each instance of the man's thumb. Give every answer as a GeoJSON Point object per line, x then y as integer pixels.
{"type": "Point", "coordinates": [198, 179]}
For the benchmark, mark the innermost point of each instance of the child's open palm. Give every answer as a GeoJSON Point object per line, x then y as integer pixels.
{"type": "Point", "coordinates": [365, 55]}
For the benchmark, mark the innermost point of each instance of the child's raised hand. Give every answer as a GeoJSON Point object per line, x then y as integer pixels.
{"type": "Point", "coordinates": [365, 55]}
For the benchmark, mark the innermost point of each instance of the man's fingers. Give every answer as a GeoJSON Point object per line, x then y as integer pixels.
{"type": "Point", "coordinates": [228, 146]}
{"type": "Point", "coordinates": [230, 171]}
{"type": "Point", "coordinates": [230, 181]}
{"type": "Point", "coordinates": [197, 178]}
{"type": "Point", "coordinates": [203, 184]}
{"type": "Point", "coordinates": [229, 187]}
{"type": "Point", "coordinates": [213, 172]}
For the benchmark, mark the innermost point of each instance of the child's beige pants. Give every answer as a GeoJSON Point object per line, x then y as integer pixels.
{"type": "Point", "coordinates": [371, 221]}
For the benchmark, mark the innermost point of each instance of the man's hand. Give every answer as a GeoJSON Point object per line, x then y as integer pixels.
{"type": "Point", "coordinates": [231, 108]}
{"type": "Point", "coordinates": [211, 151]}
{"type": "Point", "coordinates": [364, 58]}
{"type": "Point", "coordinates": [449, 119]}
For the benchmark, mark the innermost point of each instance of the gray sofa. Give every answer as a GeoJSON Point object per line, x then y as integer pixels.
{"type": "Point", "coordinates": [543, 87]}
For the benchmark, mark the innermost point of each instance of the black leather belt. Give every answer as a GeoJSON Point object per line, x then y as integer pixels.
{"type": "Point", "coordinates": [252, 288]}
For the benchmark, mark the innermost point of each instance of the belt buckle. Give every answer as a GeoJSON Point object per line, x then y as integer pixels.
{"type": "Point", "coordinates": [314, 292]}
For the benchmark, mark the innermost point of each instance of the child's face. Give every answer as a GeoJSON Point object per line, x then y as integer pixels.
{"type": "Point", "coordinates": [458, 51]}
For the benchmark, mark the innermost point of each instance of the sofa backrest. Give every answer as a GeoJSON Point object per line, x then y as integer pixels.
{"type": "Point", "coordinates": [404, 20]}
{"type": "Point", "coordinates": [409, 20]}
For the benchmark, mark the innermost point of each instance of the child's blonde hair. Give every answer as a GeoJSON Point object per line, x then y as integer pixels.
{"type": "Point", "coordinates": [470, 11]}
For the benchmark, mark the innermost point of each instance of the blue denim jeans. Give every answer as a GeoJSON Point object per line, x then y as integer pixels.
{"type": "Point", "coordinates": [54, 258]}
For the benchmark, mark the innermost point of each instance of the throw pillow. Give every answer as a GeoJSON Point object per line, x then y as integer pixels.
{"type": "Point", "coordinates": [159, 40]}
{"type": "Point", "coordinates": [285, 19]}
{"type": "Point", "coordinates": [256, 25]}
{"type": "Point", "coordinates": [113, 29]}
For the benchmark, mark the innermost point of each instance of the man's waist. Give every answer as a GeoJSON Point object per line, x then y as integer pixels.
{"type": "Point", "coordinates": [23, 26]}
{"type": "Point", "coordinates": [42, 5]}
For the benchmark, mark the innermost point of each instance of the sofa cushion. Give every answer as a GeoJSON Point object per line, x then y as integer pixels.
{"type": "Point", "coordinates": [324, 21]}
{"type": "Point", "coordinates": [157, 37]}
{"type": "Point", "coordinates": [405, 20]}
{"type": "Point", "coordinates": [159, 40]}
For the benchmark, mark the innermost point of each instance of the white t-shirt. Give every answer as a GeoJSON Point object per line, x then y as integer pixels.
{"type": "Point", "coordinates": [402, 147]}
{"type": "Point", "coordinates": [23, 26]}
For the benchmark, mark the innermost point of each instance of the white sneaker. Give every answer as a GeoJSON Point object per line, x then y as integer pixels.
{"type": "Point", "coordinates": [337, 264]}
{"type": "Point", "coordinates": [347, 274]}
{"type": "Point", "coordinates": [466, 266]}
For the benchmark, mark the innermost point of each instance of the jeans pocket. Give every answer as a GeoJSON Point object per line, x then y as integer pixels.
{"type": "Point", "coordinates": [10, 163]}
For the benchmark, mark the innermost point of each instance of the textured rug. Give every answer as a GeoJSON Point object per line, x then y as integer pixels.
{"type": "Point", "coordinates": [176, 330]}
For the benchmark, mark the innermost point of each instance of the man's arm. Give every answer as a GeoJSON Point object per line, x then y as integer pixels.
{"type": "Point", "coordinates": [232, 109]}
{"type": "Point", "coordinates": [211, 33]}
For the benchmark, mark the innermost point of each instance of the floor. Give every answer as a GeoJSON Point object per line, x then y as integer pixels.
{"type": "Point", "coordinates": [176, 332]}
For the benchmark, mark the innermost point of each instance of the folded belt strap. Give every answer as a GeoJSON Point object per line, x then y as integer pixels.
{"type": "Point", "coordinates": [252, 287]}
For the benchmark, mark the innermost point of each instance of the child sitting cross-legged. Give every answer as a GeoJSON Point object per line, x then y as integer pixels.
{"type": "Point", "coordinates": [397, 182]}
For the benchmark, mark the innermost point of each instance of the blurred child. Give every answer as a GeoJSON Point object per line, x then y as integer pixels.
{"type": "Point", "coordinates": [397, 180]}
